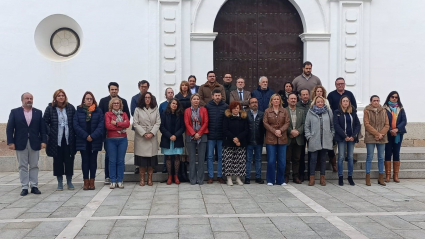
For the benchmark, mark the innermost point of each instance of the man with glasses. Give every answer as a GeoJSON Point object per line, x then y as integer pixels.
{"type": "Point", "coordinates": [113, 88]}
{"type": "Point", "coordinates": [335, 96]}
{"type": "Point", "coordinates": [228, 86]}
{"type": "Point", "coordinates": [256, 140]}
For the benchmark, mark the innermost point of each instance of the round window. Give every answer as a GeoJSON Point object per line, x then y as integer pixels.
{"type": "Point", "coordinates": [65, 42]}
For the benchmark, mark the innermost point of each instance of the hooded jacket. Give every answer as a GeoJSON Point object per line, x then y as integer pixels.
{"type": "Point", "coordinates": [375, 122]}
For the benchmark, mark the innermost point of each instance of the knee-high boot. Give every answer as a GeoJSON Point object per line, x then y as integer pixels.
{"type": "Point", "coordinates": [396, 166]}
{"type": "Point", "coordinates": [150, 174]}
{"type": "Point", "coordinates": [387, 171]}
{"type": "Point", "coordinates": [142, 171]}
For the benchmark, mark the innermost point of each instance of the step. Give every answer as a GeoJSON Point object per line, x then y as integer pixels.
{"type": "Point", "coordinates": [357, 174]}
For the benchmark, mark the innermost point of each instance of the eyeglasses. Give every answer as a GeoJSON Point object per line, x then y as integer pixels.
{"type": "Point", "coordinates": [394, 97]}
{"type": "Point", "coordinates": [340, 83]}
{"type": "Point", "coordinates": [116, 103]}
{"type": "Point", "coordinates": [89, 99]}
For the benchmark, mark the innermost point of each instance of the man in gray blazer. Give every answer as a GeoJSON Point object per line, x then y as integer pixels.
{"type": "Point", "coordinates": [240, 94]}
{"type": "Point", "coordinates": [295, 138]}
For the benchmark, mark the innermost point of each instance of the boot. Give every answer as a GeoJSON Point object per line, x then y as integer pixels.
{"type": "Point", "coordinates": [176, 179]}
{"type": "Point", "coordinates": [142, 171]}
{"type": "Point", "coordinates": [311, 182]}
{"type": "Point", "coordinates": [169, 180]}
{"type": "Point", "coordinates": [322, 180]}
{"type": "Point", "coordinates": [381, 179]}
{"type": "Point", "coordinates": [350, 180]}
{"type": "Point", "coordinates": [60, 183]}
{"type": "Point", "coordinates": [368, 180]}
{"type": "Point", "coordinates": [86, 184]}
{"type": "Point", "coordinates": [150, 173]}
{"type": "Point", "coordinates": [239, 181]}
{"type": "Point", "coordinates": [387, 171]}
{"type": "Point", "coordinates": [69, 182]}
{"type": "Point", "coordinates": [91, 184]}
{"type": "Point", "coordinates": [341, 181]}
{"type": "Point", "coordinates": [229, 181]}
{"type": "Point", "coordinates": [333, 163]}
{"type": "Point", "coordinates": [396, 165]}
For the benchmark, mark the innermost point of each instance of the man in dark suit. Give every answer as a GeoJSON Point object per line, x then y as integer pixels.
{"type": "Point", "coordinates": [26, 133]}
{"type": "Point", "coordinates": [192, 84]}
{"type": "Point", "coordinates": [240, 94]}
{"type": "Point", "coordinates": [114, 89]}
{"type": "Point", "coordinates": [295, 138]}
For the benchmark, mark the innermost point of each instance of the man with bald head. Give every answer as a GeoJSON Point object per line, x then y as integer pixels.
{"type": "Point", "coordinates": [26, 133]}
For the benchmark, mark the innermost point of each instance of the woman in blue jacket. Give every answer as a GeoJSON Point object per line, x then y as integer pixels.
{"type": "Point", "coordinates": [397, 119]}
{"type": "Point", "coordinates": [347, 128]}
{"type": "Point", "coordinates": [89, 126]}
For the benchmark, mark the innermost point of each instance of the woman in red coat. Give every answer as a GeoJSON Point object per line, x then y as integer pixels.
{"type": "Point", "coordinates": [116, 123]}
{"type": "Point", "coordinates": [196, 121]}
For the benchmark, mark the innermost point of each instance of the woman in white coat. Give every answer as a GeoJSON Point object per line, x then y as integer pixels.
{"type": "Point", "coordinates": [146, 123]}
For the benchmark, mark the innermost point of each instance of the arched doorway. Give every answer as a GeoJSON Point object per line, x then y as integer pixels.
{"type": "Point", "coordinates": [256, 38]}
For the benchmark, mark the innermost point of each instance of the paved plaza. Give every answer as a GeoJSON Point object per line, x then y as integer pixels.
{"type": "Point", "coordinates": [212, 211]}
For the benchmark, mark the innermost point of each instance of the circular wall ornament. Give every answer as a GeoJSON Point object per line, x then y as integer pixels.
{"type": "Point", "coordinates": [65, 42]}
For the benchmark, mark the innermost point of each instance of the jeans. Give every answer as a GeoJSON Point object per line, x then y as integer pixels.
{"type": "Point", "coordinates": [321, 154]}
{"type": "Point", "coordinates": [210, 157]}
{"type": "Point", "coordinates": [370, 150]}
{"type": "Point", "coordinates": [250, 151]}
{"type": "Point", "coordinates": [276, 153]}
{"type": "Point", "coordinates": [117, 148]}
{"type": "Point", "coordinates": [89, 163]}
{"type": "Point", "coordinates": [341, 156]}
{"type": "Point", "coordinates": [105, 146]}
{"type": "Point", "coordinates": [393, 149]}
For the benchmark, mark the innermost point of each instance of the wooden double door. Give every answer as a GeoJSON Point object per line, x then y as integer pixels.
{"type": "Point", "coordinates": [258, 38]}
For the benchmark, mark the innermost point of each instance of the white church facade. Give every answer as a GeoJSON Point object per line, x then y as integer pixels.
{"type": "Point", "coordinates": [376, 45]}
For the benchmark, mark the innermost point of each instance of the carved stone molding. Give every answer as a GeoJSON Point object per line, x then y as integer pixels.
{"type": "Point", "coordinates": [200, 36]}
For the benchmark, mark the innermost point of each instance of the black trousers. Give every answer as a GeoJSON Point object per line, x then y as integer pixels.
{"type": "Point", "coordinates": [63, 163]}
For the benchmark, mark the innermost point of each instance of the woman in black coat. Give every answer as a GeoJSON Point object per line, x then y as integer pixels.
{"type": "Point", "coordinates": [284, 94]}
{"type": "Point", "coordinates": [61, 141]}
{"type": "Point", "coordinates": [89, 126]}
{"type": "Point", "coordinates": [172, 129]}
{"type": "Point", "coordinates": [347, 128]}
{"type": "Point", "coordinates": [236, 131]}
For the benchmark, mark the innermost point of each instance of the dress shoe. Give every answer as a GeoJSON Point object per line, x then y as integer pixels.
{"type": "Point", "coordinates": [136, 171]}
{"type": "Point", "coordinates": [247, 181]}
{"type": "Point", "coordinates": [24, 192]}
{"type": "Point", "coordinates": [164, 170]}
{"type": "Point", "coordinates": [259, 181]}
{"type": "Point", "coordinates": [210, 180]}
{"type": "Point", "coordinates": [35, 190]}
{"type": "Point", "coordinates": [297, 181]}
{"type": "Point", "coordinates": [220, 180]}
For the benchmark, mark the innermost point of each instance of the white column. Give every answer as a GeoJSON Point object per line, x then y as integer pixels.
{"type": "Point", "coordinates": [202, 54]}
{"type": "Point", "coordinates": [317, 51]}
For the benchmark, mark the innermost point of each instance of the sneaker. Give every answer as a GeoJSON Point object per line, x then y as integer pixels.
{"type": "Point", "coordinates": [269, 184]}
{"type": "Point", "coordinates": [35, 190]}
{"type": "Point", "coordinates": [121, 185]}
{"type": "Point", "coordinates": [107, 181]}
{"type": "Point", "coordinates": [284, 184]}
{"type": "Point", "coordinates": [24, 192]}
{"type": "Point", "coordinates": [112, 186]}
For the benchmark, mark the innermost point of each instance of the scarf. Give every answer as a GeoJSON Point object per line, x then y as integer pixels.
{"type": "Point", "coordinates": [119, 118]}
{"type": "Point", "coordinates": [394, 113]}
{"type": "Point", "coordinates": [319, 111]}
{"type": "Point", "coordinates": [89, 111]}
{"type": "Point", "coordinates": [196, 121]}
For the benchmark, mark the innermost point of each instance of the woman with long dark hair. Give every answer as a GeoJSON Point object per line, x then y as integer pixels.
{"type": "Point", "coordinates": [347, 129]}
{"type": "Point", "coordinates": [89, 128]}
{"type": "Point", "coordinates": [397, 121]}
{"type": "Point", "coordinates": [172, 129]}
{"type": "Point", "coordinates": [288, 88]}
{"type": "Point", "coordinates": [146, 123]}
{"type": "Point", "coordinates": [59, 116]}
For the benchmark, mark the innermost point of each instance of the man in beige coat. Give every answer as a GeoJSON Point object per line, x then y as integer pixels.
{"type": "Point", "coordinates": [206, 89]}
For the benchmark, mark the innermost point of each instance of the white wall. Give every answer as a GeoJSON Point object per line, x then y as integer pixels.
{"type": "Point", "coordinates": [114, 49]}
{"type": "Point", "coordinates": [397, 51]}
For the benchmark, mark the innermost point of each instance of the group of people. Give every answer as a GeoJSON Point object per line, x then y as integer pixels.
{"type": "Point", "coordinates": [207, 122]}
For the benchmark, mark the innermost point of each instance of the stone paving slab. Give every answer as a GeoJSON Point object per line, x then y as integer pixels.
{"type": "Point", "coordinates": [213, 211]}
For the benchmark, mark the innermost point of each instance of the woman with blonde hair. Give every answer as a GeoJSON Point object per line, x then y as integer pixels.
{"type": "Point", "coordinates": [59, 116]}
{"type": "Point", "coordinates": [276, 122]}
{"type": "Point", "coordinates": [319, 131]}
{"type": "Point", "coordinates": [116, 123]}
{"type": "Point", "coordinates": [319, 90]}
{"type": "Point", "coordinates": [347, 129]}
